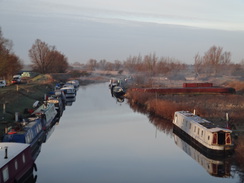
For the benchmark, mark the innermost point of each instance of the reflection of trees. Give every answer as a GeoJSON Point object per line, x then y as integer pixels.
{"type": "Point", "coordinates": [162, 124]}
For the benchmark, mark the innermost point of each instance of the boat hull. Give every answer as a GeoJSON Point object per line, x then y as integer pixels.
{"type": "Point", "coordinates": [208, 152]}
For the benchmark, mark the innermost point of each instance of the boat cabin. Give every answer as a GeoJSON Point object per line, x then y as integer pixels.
{"type": "Point", "coordinates": [203, 131]}
{"type": "Point", "coordinates": [15, 162]}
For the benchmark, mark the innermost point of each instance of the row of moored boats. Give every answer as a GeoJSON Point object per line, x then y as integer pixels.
{"type": "Point", "coordinates": [21, 143]}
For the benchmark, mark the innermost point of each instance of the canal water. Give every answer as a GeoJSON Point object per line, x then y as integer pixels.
{"type": "Point", "coordinates": [99, 139]}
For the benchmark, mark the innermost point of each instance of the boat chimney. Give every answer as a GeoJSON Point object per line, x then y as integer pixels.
{"type": "Point", "coordinates": [6, 152]}
{"type": "Point", "coordinates": [16, 116]}
{"type": "Point", "coordinates": [194, 111]}
{"type": "Point", "coordinates": [227, 120]}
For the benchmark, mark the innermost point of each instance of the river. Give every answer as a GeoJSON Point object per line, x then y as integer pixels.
{"type": "Point", "coordinates": [101, 140]}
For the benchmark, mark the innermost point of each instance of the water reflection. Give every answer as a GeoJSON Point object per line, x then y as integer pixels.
{"type": "Point", "coordinates": [219, 167]}
{"type": "Point", "coordinates": [110, 143]}
{"type": "Point", "coordinates": [215, 167]}
{"type": "Point", "coordinates": [70, 101]}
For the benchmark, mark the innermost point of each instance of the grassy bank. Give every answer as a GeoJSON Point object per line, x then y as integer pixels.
{"type": "Point", "coordinates": [16, 98]}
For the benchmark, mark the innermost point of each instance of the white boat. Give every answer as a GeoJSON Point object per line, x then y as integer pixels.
{"type": "Point", "coordinates": [47, 113]}
{"type": "Point", "coordinates": [69, 92]}
{"type": "Point", "coordinates": [16, 162]}
{"type": "Point", "coordinates": [203, 133]}
{"type": "Point", "coordinates": [75, 83]}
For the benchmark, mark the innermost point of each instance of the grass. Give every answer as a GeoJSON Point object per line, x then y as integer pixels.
{"type": "Point", "coordinates": [19, 97]}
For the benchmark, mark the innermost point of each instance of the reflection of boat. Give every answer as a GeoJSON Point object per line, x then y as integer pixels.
{"type": "Point", "coordinates": [203, 133]}
{"type": "Point", "coordinates": [16, 163]}
{"type": "Point", "coordinates": [218, 168]}
{"type": "Point", "coordinates": [48, 134]}
{"type": "Point", "coordinates": [120, 99]}
{"type": "Point", "coordinates": [27, 132]}
{"type": "Point", "coordinates": [70, 101]}
{"type": "Point", "coordinates": [47, 113]}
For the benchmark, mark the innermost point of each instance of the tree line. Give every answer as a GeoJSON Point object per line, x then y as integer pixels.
{"type": "Point", "coordinates": [47, 59]}
{"type": "Point", "coordinates": [215, 61]}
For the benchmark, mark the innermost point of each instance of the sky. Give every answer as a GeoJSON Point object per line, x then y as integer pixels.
{"type": "Point", "coordinates": [117, 29]}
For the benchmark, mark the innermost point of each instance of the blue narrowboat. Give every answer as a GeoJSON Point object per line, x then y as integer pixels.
{"type": "Point", "coordinates": [29, 132]}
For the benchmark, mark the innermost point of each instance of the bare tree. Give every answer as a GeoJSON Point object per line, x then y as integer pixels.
{"type": "Point", "coordinates": [212, 58]}
{"type": "Point", "coordinates": [58, 62]}
{"type": "Point", "coordinates": [198, 64]}
{"type": "Point", "coordinates": [46, 59]}
{"type": "Point", "coordinates": [213, 61]}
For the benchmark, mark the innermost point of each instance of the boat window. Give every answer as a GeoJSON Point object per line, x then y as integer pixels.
{"type": "Point", "coordinates": [195, 128]}
{"type": "Point", "coordinates": [16, 165]}
{"type": "Point", "coordinates": [198, 131]}
{"type": "Point", "coordinates": [190, 126]}
{"type": "Point", "coordinates": [5, 174]}
{"type": "Point", "coordinates": [208, 137]}
{"type": "Point", "coordinates": [202, 133]}
{"type": "Point", "coordinates": [23, 158]}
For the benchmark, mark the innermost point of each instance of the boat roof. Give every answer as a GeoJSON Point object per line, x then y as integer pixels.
{"type": "Point", "coordinates": [13, 150]}
{"type": "Point", "coordinates": [203, 122]}
{"type": "Point", "coordinates": [71, 87]}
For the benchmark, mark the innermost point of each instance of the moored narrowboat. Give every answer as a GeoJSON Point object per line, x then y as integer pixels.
{"type": "Point", "coordinates": [118, 91]}
{"type": "Point", "coordinates": [58, 103]}
{"type": "Point", "coordinates": [69, 92]}
{"type": "Point", "coordinates": [29, 132]}
{"type": "Point", "coordinates": [203, 133]}
{"type": "Point", "coordinates": [16, 162]}
{"type": "Point", "coordinates": [47, 113]}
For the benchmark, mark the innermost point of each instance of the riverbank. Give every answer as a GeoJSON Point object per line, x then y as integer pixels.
{"type": "Point", "coordinates": [17, 98]}
{"type": "Point", "coordinates": [213, 107]}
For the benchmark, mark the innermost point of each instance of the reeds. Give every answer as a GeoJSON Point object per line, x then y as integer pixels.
{"type": "Point", "coordinates": [211, 107]}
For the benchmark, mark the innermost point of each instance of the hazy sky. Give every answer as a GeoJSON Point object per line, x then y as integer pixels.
{"type": "Point", "coordinates": [117, 29]}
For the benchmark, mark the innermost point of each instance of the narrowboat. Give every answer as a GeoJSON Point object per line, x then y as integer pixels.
{"type": "Point", "coordinates": [69, 92]}
{"type": "Point", "coordinates": [58, 103]}
{"type": "Point", "coordinates": [16, 162]}
{"type": "Point", "coordinates": [203, 133]}
{"type": "Point", "coordinates": [118, 91]}
{"type": "Point", "coordinates": [29, 132]}
{"type": "Point", "coordinates": [47, 113]}
{"type": "Point", "coordinates": [75, 83]}
{"type": "Point", "coordinates": [214, 166]}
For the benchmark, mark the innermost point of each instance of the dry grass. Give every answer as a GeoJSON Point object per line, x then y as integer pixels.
{"type": "Point", "coordinates": [211, 107]}
{"type": "Point", "coordinates": [238, 85]}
